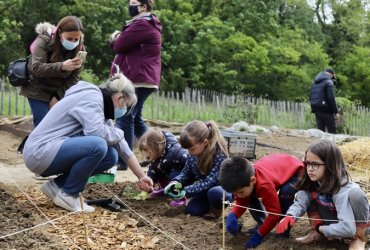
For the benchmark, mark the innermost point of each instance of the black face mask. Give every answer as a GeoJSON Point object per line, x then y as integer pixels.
{"type": "Point", "coordinates": [132, 10]}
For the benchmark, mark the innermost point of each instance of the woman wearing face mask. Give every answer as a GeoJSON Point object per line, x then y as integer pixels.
{"type": "Point", "coordinates": [138, 55]}
{"type": "Point", "coordinates": [77, 139]}
{"type": "Point", "coordinates": [53, 65]}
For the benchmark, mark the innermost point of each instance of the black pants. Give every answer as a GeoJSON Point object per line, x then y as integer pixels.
{"type": "Point", "coordinates": [326, 120]}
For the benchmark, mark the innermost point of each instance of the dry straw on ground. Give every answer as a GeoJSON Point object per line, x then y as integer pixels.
{"type": "Point", "coordinates": [106, 230]}
{"type": "Point", "coordinates": [357, 154]}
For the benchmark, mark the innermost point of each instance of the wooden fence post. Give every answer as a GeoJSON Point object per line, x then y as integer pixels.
{"type": "Point", "coordinates": [2, 96]}
{"type": "Point", "coordinates": [9, 100]}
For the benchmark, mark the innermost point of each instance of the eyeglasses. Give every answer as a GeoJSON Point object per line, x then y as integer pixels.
{"type": "Point", "coordinates": [314, 165]}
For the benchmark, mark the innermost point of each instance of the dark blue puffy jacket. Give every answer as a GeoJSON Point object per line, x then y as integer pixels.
{"type": "Point", "coordinates": [322, 97]}
{"type": "Point", "coordinates": [173, 158]}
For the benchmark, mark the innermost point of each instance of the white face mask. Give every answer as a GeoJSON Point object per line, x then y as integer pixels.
{"type": "Point", "coordinates": [70, 45]}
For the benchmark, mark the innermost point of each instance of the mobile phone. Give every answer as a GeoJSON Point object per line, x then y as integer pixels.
{"type": "Point", "coordinates": [82, 55]}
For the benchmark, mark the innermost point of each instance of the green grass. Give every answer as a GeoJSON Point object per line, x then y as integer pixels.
{"type": "Point", "coordinates": [163, 108]}
{"type": "Point", "coordinates": [10, 108]}
{"type": "Point", "coordinates": [159, 107]}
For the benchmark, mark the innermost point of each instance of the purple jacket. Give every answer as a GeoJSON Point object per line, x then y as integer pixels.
{"type": "Point", "coordinates": [138, 50]}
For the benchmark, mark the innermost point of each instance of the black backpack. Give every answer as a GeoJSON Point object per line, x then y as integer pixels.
{"type": "Point", "coordinates": [18, 72]}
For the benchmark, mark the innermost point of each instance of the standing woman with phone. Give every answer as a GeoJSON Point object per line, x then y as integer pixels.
{"type": "Point", "coordinates": [138, 56]}
{"type": "Point", "coordinates": [53, 65]}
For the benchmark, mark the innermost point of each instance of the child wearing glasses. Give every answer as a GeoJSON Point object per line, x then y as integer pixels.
{"type": "Point", "coordinates": [271, 179]}
{"type": "Point", "coordinates": [336, 206]}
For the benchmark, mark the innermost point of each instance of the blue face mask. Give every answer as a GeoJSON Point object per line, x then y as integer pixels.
{"type": "Point", "coordinates": [118, 113]}
{"type": "Point", "coordinates": [70, 45]}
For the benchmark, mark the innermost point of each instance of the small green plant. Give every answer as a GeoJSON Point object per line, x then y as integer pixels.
{"type": "Point", "coordinates": [259, 130]}
{"type": "Point", "coordinates": [242, 129]}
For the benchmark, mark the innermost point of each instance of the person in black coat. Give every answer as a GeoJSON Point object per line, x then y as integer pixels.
{"type": "Point", "coordinates": [322, 99]}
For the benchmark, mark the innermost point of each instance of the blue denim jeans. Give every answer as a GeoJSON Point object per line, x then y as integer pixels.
{"type": "Point", "coordinates": [79, 158]}
{"type": "Point", "coordinates": [201, 203]}
{"type": "Point", "coordinates": [132, 122]}
{"type": "Point", "coordinates": [39, 110]}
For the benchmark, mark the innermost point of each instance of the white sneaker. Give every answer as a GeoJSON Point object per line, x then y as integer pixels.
{"type": "Point", "coordinates": [71, 203]}
{"type": "Point", "coordinates": [41, 178]}
{"type": "Point", "coordinates": [50, 189]}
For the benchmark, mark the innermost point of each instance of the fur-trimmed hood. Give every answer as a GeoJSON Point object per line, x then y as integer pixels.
{"type": "Point", "coordinates": [48, 28]}
{"type": "Point", "coordinates": [45, 27]}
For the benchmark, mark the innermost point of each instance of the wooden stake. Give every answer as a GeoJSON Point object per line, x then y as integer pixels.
{"type": "Point", "coordinates": [84, 221]}
{"type": "Point", "coordinates": [368, 179]}
{"type": "Point", "coordinates": [223, 220]}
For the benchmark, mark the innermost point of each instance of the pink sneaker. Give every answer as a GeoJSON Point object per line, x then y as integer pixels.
{"type": "Point", "coordinates": [157, 193]}
{"type": "Point", "coordinates": [178, 203]}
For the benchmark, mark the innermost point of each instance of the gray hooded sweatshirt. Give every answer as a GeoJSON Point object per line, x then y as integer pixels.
{"type": "Point", "coordinates": [79, 113]}
{"type": "Point", "coordinates": [345, 227]}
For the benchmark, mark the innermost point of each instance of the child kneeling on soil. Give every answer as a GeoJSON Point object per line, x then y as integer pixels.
{"type": "Point", "coordinates": [263, 179]}
{"type": "Point", "coordinates": [337, 207]}
{"type": "Point", "coordinates": [200, 177]}
{"type": "Point", "coordinates": [167, 157]}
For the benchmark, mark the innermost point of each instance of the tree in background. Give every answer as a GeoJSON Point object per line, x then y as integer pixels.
{"type": "Point", "coordinates": [99, 17]}
{"type": "Point", "coordinates": [10, 33]}
{"type": "Point", "coordinates": [346, 26]}
{"type": "Point", "coordinates": [356, 75]}
{"type": "Point", "coordinates": [270, 48]}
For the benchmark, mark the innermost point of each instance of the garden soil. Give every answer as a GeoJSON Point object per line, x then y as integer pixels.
{"type": "Point", "coordinates": [28, 220]}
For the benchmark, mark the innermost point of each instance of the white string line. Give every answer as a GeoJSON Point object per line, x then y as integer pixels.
{"type": "Point", "coordinates": [30, 200]}
{"type": "Point", "coordinates": [56, 219]}
{"type": "Point", "coordinates": [284, 215]}
{"type": "Point", "coordinates": [142, 217]}
{"type": "Point", "coordinates": [38, 225]}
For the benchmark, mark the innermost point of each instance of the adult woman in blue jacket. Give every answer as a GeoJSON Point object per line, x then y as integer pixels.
{"type": "Point", "coordinates": [77, 139]}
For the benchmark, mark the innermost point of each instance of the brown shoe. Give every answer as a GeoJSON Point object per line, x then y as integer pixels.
{"type": "Point", "coordinates": [357, 244]}
{"type": "Point", "coordinates": [312, 237]}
